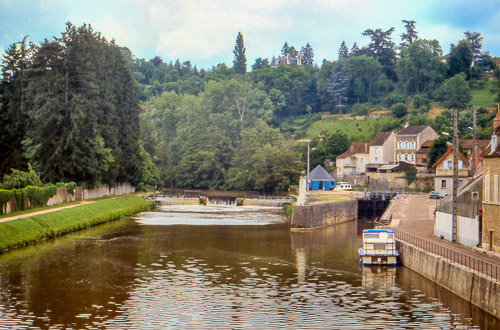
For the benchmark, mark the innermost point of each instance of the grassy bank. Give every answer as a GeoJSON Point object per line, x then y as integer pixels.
{"type": "Point", "coordinates": [30, 230]}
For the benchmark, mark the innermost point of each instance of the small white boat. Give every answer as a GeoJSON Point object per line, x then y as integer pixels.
{"type": "Point", "coordinates": [343, 186]}
{"type": "Point", "coordinates": [379, 247]}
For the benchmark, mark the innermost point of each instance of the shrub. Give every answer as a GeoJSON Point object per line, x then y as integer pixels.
{"type": "Point", "coordinates": [393, 99]}
{"type": "Point", "coordinates": [421, 100]}
{"type": "Point", "coordinates": [399, 110]}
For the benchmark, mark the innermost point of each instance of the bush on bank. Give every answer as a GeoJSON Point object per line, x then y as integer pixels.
{"type": "Point", "coordinates": [30, 230]}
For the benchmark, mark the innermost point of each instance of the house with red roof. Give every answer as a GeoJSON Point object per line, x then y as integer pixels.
{"type": "Point", "coordinates": [443, 181]}
{"type": "Point", "coordinates": [354, 160]}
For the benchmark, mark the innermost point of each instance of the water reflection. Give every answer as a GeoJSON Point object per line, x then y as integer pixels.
{"type": "Point", "coordinates": [129, 274]}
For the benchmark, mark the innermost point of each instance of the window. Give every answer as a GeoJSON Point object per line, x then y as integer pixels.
{"type": "Point", "coordinates": [361, 160]}
{"type": "Point", "coordinates": [376, 160]}
{"type": "Point", "coordinates": [443, 183]}
{"type": "Point", "coordinates": [371, 235]}
{"type": "Point", "coordinates": [487, 188]}
{"type": "Point", "coordinates": [495, 188]}
{"type": "Point", "coordinates": [347, 161]}
{"type": "Point", "coordinates": [460, 164]}
{"type": "Point", "coordinates": [376, 150]}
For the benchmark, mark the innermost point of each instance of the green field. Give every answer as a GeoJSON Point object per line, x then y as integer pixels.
{"type": "Point", "coordinates": [484, 94]}
{"type": "Point", "coordinates": [33, 229]}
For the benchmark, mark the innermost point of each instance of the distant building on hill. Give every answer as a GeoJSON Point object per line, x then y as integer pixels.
{"type": "Point", "coordinates": [287, 59]}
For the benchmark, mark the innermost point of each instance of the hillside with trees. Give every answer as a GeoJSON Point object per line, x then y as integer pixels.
{"type": "Point", "coordinates": [80, 108]}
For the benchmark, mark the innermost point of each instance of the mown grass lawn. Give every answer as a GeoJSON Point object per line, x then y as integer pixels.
{"type": "Point", "coordinates": [484, 96]}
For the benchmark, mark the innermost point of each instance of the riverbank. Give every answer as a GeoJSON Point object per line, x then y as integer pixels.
{"type": "Point", "coordinates": [32, 229]}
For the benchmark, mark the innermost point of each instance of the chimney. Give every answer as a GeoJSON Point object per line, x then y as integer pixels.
{"type": "Point", "coordinates": [496, 120]}
{"type": "Point", "coordinates": [366, 148]}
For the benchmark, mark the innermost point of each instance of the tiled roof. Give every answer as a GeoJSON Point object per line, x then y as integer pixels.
{"type": "Point", "coordinates": [380, 138]}
{"type": "Point", "coordinates": [450, 149]}
{"type": "Point", "coordinates": [411, 130]}
{"type": "Point", "coordinates": [467, 144]}
{"type": "Point", "coordinates": [320, 174]}
{"type": "Point", "coordinates": [427, 144]}
{"type": "Point", "coordinates": [356, 148]}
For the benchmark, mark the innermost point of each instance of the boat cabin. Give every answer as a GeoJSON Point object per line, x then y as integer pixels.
{"type": "Point", "coordinates": [379, 247]}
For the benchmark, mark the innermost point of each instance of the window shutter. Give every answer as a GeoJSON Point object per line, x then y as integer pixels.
{"type": "Point", "coordinates": [487, 188]}
{"type": "Point", "coordinates": [495, 187]}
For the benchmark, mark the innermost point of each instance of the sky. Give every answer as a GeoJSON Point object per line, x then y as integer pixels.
{"type": "Point", "coordinates": [204, 31]}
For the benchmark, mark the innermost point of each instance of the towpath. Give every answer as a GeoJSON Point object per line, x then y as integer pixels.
{"type": "Point", "coordinates": [414, 214]}
{"type": "Point", "coordinates": [27, 215]}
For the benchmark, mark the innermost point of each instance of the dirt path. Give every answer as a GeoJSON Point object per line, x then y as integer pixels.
{"type": "Point", "coordinates": [27, 215]}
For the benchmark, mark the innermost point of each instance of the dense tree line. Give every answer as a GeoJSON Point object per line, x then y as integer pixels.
{"type": "Point", "coordinates": [70, 108]}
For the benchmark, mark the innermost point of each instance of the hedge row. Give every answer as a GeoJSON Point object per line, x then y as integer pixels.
{"type": "Point", "coordinates": [38, 196]}
{"type": "Point", "coordinates": [30, 230]}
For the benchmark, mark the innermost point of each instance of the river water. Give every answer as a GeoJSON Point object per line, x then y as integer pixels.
{"type": "Point", "coordinates": [218, 266]}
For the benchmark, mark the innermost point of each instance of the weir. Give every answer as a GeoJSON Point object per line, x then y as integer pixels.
{"type": "Point", "coordinates": [222, 200]}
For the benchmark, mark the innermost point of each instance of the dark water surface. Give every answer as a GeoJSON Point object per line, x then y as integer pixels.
{"type": "Point", "coordinates": [216, 266]}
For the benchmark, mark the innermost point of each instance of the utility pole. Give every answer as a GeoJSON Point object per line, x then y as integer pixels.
{"type": "Point", "coordinates": [474, 142]}
{"type": "Point", "coordinates": [307, 176]}
{"type": "Point", "coordinates": [455, 174]}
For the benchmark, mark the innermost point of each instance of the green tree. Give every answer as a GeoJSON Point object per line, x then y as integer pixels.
{"type": "Point", "coordinates": [13, 104]}
{"type": "Point", "coordinates": [307, 54]}
{"type": "Point", "coordinates": [420, 68]}
{"type": "Point", "coordinates": [260, 63]}
{"type": "Point", "coordinates": [339, 83]}
{"type": "Point", "coordinates": [20, 179]}
{"type": "Point", "coordinates": [382, 48]}
{"type": "Point", "coordinates": [454, 93]}
{"type": "Point", "coordinates": [336, 144]}
{"type": "Point", "coordinates": [410, 35]}
{"type": "Point", "coordinates": [437, 149]}
{"type": "Point", "coordinates": [240, 60]}
{"type": "Point", "coordinates": [365, 77]}
{"type": "Point", "coordinates": [476, 44]}
{"type": "Point", "coordinates": [460, 59]}
{"type": "Point", "coordinates": [343, 51]}
{"type": "Point", "coordinates": [399, 110]}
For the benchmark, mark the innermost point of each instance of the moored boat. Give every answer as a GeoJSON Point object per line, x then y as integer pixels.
{"type": "Point", "coordinates": [379, 247]}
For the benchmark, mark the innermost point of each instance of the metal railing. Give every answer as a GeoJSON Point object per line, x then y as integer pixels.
{"type": "Point", "coordinates": [482, 267]}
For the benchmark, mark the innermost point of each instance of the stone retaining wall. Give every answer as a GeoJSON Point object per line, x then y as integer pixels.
{"type": "Point", "coordinates": [479, 290]}
{"type": "Point", "coordinates": [324, 214]}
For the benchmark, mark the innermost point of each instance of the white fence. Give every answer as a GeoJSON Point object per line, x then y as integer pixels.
{"type": "Point", "coordinates": [468, 231]}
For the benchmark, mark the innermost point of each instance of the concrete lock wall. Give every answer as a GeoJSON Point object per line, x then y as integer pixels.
{"type": "Point", "coordinates": [324, 214]}
{"type": "Point", "coordinates": [479, 290]}
{"type": "Point", "coordinates": [468, 232]}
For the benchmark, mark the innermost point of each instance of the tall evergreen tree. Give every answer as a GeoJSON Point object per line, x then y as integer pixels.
{"type": "Point", "coordinates": [285, 49]}
{"type": "Point", "coordinates": [408, 37]}
{"type": "Point", "coordinates": [476, 44]}
{"type": "Point", "coordinates": [240, 60]}
{"type": "Point", "coordinates": [354, 50]}
{"type": "Point", "coordinates": [14, 104]}
{"type": "Point", "coordinates": [307, 54]}
{"type": "Point", "coordinates": [382, 48]}
{"type": "Point", "coordinates": [84, 110]}
{"type": "Point", "coordinates": [338, 84]}
{"type": "Point", "coordinates": [343, 51]}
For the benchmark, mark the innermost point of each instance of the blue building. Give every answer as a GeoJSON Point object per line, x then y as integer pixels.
{"type": "Point", "coordinates": [320, 179]}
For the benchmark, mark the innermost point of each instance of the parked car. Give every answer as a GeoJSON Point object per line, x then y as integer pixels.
{"type": "Point", "coordinates": [434, 194]}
